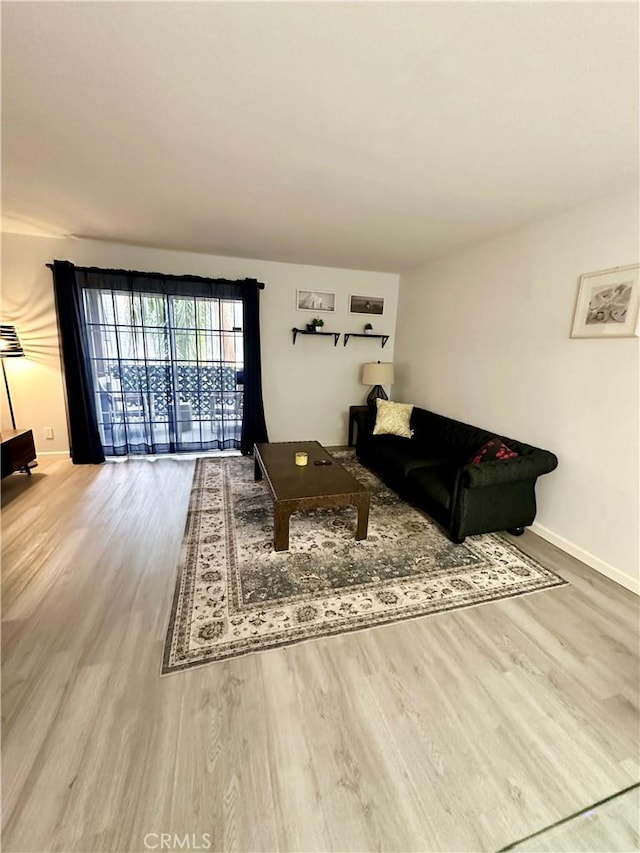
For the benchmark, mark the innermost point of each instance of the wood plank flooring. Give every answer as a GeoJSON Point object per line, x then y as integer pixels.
{"type": "Point", "coordinates": [462, 731]}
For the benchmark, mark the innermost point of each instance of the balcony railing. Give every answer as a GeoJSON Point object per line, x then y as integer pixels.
{"type": "Point", "coordinates": [191, 406]}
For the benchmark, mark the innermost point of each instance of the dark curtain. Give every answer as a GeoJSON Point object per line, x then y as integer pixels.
{"type": "Point", "coordinates": [69, 283]}
{"type": "Point", "coordinates": [84, 438]}
{"type": "Point", "coordinates": [254, 428]}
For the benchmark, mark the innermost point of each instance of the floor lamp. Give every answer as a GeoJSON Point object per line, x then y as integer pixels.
{"type": "Point", "coordinates": [10, 347]}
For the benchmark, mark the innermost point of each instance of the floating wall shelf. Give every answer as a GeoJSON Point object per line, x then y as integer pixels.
{"type": "Point", "coordinates": [334, 335]}
{"type": "Point", "coordinates": [383, 338]}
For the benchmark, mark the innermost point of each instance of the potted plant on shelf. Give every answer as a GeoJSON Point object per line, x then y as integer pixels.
{"type": "Point", "coordinates": [315, 324]}
{"type": "Point", "coordinates": [368, 329]}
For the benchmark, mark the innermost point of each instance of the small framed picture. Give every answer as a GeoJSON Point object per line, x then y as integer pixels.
{"type": "Point", "coordinates": [607, 304]}
{"type": "Point", "coordinates": [366, 305]}
{"type": "Point", "coordinates": [315, 300]}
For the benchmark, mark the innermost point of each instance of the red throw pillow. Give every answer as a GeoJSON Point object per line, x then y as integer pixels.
{"type": "Point", "coordinates": [493, 449]}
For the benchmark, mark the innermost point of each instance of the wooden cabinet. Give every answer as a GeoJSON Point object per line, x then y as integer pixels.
{"type": "Point", "coordinates": [18, 451]}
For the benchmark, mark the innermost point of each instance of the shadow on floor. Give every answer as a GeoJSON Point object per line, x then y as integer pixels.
{"type": "Point", "coordinates": [17, 484]}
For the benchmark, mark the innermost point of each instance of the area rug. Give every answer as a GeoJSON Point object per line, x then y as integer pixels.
{"type": "Point", "coordinates": [234, 594]}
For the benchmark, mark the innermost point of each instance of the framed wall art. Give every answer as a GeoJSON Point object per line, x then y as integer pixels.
{"type": "Point", "coordinates": [315, 300]}
{"type": "Point", "coordinates": [366, 305]}
{"type": "Point", "coordinates": [607, 304]}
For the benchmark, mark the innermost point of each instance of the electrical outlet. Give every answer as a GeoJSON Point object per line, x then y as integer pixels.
{"type": "Point", "coordinates": [48, 433]}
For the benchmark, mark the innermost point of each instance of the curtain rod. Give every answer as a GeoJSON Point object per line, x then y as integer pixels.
{"type": "Point", "coordinates": [166, 276]}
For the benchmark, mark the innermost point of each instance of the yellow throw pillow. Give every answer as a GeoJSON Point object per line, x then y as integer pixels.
{"type": "Point", "coordinates": [393, 418]}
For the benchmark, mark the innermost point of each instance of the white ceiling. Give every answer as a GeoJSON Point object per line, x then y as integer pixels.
{"type": "Point", "coordinates": [364, 135]}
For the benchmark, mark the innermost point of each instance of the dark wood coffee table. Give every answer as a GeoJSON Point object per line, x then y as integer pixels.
{"type": "Point", "coordinates": [311, 486]}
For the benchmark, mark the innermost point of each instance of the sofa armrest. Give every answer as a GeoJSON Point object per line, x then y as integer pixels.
{"type": "Point", "coordinates": [508, 470]}
{"type": "Point", "coordinates": [366, 422]}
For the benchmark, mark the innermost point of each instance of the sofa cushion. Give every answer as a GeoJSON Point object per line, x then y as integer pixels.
{"type": "Point", "coordinates": [493, 449]}
{"type": "Point", "coordinates": [393, 418]}
{"type": "Point", "coordinates": [434, 483]}
{"type": "Point", "coordinates": [397, 454]}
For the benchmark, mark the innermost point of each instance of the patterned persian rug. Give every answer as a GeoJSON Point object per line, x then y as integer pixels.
{"type": "Point", "coordinates": [235, 595]}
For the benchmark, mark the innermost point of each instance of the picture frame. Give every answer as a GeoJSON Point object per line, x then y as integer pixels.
{"type": "Point", "coordinates": [366, 305]}
{"type": "Point", "coordinates": [315, 300]}
{"type": "Point", "coordinates": [607, 304]}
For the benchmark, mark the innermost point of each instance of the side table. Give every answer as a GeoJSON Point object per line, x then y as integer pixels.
{"type": "Point", "coordinates": [353, 414]}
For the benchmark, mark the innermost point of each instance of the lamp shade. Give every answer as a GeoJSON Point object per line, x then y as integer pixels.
{"type": "Point", "coordinates": [10, 346]}
{"type": "Point", "coordinates": [377, 373]}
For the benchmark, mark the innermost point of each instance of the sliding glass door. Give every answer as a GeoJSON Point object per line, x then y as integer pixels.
{"type": "Point", "coordinates": [168, 370]}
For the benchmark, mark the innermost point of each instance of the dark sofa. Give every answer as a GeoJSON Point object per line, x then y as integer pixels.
{"type": "Point", "coordinates": [432, 470]}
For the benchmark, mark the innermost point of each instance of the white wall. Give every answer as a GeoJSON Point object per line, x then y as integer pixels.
{"type": "Point", "coordinates": [483, 336]}
{"type": "Point", "coordinates": [307, 388]}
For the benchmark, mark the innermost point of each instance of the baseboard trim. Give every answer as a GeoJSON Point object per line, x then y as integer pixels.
{"type": "Point", "coordinates": [593, 562]}
{"type": "Point", "coordinates": [52, 452]}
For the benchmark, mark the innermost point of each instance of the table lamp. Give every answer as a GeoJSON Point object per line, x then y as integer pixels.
{"type": "Point", "coordinates": [377, 373]}
{"type": "Point", "coordinates": [10, 347]}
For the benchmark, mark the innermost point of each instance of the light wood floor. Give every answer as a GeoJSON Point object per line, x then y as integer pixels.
{"type": "Point", "coordinates": [456, 732]}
